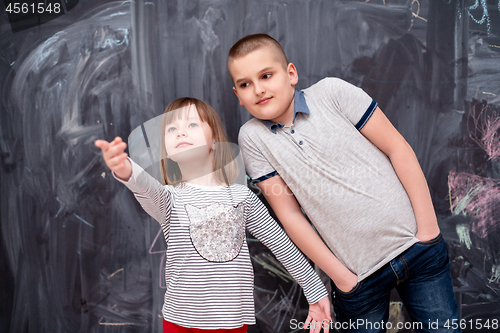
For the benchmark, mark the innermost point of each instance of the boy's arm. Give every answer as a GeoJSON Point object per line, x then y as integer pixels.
{"type": "Point", "coordinates": [267, 231]}
{"type": "Point", "coordinates": [288, 211]}
{"type": "Point", "coordinates": [382, 134]}
{"type": "Point", "coordinates": [264, 227]}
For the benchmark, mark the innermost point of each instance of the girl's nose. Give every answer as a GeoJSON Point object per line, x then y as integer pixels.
{"type": "Point", "coordinates": [181, 134]}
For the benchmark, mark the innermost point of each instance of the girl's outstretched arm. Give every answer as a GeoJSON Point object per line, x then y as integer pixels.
{"type": "Point", "coordinates": [153, 197]}
{"type": "Point", "coordinates": [115, 157]}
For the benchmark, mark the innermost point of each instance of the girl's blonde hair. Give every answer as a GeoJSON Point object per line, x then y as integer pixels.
{"type": "Point", "coordinates": [223, 159]}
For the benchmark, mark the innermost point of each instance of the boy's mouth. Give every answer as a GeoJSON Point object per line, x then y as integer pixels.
{"type": "Point", "coordinates": [264, 100]}
{"type": "Point", "coordinates": [183, 144]}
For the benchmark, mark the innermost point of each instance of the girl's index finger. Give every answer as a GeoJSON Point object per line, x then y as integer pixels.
{"type": "Point", "coordinates": [120, 145]}
{"type": "Point", "coordinates": [117, 142]}
{"type": "Point", "coordinates": [104, 145]}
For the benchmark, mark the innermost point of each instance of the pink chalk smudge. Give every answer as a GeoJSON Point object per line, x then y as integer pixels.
{"type": "Point", "coordinates": [484, 129]}
{"type": "Point", "coordinates": [477, 197]}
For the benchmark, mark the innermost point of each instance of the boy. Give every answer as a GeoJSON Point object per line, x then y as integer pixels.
{"type": "Point", "coordinates": [332, 152]}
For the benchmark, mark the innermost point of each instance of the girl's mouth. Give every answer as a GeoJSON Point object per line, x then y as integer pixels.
{"type": "Point", "coordinates": [183, 144]}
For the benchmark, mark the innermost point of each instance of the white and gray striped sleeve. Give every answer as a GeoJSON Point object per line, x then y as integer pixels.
{"type": "Point", "coordinates": [266, 229]}
{"type": "Point", "coordinates": [154, 198]}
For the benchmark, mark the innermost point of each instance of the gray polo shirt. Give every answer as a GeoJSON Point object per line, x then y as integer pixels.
{"type": "Point", "coordinates": [343, 182]}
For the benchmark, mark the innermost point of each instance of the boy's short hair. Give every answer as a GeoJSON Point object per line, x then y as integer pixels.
{"type": "Point", "coordinates": [253, 42]}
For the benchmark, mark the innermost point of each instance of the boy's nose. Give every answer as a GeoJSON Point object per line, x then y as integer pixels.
{"type": "Point", "coordinates": [259, 89]}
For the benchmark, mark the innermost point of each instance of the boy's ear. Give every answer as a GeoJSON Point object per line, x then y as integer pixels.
{"type": "Point", "coordinates": [292, 74]}
{"type": "Point", "coordinates": [234, 89]}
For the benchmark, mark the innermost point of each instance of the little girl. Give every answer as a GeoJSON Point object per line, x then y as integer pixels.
{"type": "Point", "coordinates": [209, 275]}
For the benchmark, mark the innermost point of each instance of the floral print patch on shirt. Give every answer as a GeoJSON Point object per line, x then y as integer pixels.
{"type": "Point", "coordinates": [217, 230]}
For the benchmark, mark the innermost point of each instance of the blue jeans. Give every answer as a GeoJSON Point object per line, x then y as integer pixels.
{"type": "Point", "coordinates": [421, 275]}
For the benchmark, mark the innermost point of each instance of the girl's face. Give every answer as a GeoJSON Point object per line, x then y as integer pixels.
{"type": "Point", "coordinates": [187, 136]}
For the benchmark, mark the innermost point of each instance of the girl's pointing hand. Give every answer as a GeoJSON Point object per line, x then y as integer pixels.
{"type": "Point", "coordinates": [115, 157]}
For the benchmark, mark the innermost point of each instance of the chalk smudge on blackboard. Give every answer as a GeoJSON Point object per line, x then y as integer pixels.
{"type": "Point", "coordinates": [478, 197]}
{"type": "Point", "coordinates": [61, 94]}
{"type": "Point", "coordinates": [464, 235]}
{"type": "Point", "coordinates": [495, 274]}
{"type": "Point", "coordinates": [282, 304]}
{"type": "Point", "coordinates": [484, 128]}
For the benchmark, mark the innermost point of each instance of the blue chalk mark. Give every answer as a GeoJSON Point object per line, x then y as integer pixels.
{"type": "Point", "coordinates": [78, 217]}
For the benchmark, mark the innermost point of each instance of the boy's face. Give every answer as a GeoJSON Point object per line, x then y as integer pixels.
{"type": "Point", "coordinates": [263, 86]}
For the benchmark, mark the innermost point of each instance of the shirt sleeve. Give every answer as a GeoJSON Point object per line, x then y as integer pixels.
{"type": "Point", "coordinates": [351, 101]}
{"type": "Point", "coordinates": [256, 164]}
{"type": "Point", "coordinates": [154, 198]}
{"type": "Point", "coordinates": [268, 232]}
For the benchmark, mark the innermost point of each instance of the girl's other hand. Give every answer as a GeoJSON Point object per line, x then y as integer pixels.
{"type": "Point", "coordinates": [115, 157]}
{"type": "Point", "coordinates": [319, 316]}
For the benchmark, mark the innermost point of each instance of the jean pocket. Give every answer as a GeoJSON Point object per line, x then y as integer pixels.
{"type": "Point", "coordinates": [433, 241]}
{"type": "Point", "coordinates": [352, 291]}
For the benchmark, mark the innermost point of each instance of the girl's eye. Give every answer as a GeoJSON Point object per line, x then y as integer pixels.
{"type": "Point", "coordinates": [266, 76]}
{"type": "Point", "coordinates": [193, 125]}
{"type": "Point", "coordinates": [171, 129]}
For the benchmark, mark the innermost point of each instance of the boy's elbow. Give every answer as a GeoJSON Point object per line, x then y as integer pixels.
{"type": "Point", "coordinates": [401, 149]}
{"type": "Point", "coordinates": [290, 220]}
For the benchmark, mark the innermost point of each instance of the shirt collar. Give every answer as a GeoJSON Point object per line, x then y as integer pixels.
{"type": "Point", "coordinates": [299, 106]}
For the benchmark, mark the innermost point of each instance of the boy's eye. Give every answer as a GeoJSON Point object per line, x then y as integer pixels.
{"type": "Point", "coordinates": [266, 76]}
{"type": "Point", "coordinates": [244, 85]}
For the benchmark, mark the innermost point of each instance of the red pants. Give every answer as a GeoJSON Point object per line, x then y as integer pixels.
{"type": "Point", "coordinates": [168, 327]}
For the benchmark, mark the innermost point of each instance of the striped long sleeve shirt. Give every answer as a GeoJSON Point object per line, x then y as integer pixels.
{"type": "Point", "coordinates": [209, 275]}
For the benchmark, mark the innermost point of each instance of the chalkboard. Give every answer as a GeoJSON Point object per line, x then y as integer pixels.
{"type": "Point", "coordinates": [78, 254]}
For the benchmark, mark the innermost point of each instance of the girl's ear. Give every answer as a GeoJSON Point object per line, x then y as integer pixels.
{"type": "Point", "coordinates": [213, 146]}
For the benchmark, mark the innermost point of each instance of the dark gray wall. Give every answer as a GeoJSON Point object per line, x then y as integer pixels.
{"type": "Point", "coordinates": [78, 254]}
